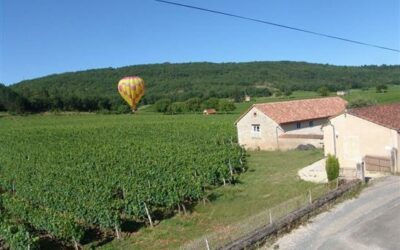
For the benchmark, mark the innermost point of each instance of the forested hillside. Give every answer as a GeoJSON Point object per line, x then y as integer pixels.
{"type": "Point", "coordinates": [97, 89]}
{"type": "Point", "coordinates": [11, 101]}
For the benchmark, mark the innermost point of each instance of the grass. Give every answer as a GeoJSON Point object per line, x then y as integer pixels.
{"type": "Point", "coordinates": [270, 180]}
{"type": "Point", "coordinates": [392, 95]}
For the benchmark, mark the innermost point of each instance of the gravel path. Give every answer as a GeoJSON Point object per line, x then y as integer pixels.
{"type": "Point", "coordinates": [370, 221]}
{"type": "Point", "coordinates": [315, 172]}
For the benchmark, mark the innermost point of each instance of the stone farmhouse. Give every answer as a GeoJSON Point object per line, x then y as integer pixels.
{"type": "Point", "coordinates": [285, 125]}
{"type": "Point", "coordinates": [365, 140]}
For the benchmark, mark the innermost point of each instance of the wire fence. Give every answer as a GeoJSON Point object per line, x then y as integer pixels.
{"type": "Point", "coordinates": [218, 239]}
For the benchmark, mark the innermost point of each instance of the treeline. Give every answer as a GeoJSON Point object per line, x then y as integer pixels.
{"type": "Point", "coordinates": [13, 102]}
{"type": "Point", "coordinates": [180, 82]}
{"type": "Point", "coordinates": [193, 105]}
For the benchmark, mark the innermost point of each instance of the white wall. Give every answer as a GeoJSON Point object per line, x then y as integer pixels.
{"type": "Point", "coordinates": [355, 138]}
{"type": "Point", "coordinates": [305, 127]}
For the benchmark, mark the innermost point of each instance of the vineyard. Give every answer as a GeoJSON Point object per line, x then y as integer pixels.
{"type": "Point", "coordinates": [64, 175]}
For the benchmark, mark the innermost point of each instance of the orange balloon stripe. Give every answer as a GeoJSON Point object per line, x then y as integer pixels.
{"type": "Point", "coordinates": [131, 90]}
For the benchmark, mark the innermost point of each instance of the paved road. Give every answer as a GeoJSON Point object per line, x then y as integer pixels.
{"type": "Point", "coordinates": [371, 221]}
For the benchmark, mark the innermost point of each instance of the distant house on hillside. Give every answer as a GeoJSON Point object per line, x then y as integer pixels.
{"type": "Point", "coordinates": [366, 138]}
{"type": "Point", "coordinates": [341, 93]}
{"type": "Point", "coordinates": [247, 98]}
{"type": "Point", "coordinates": [209, 112]}
{"type": "Point", "coordinates": [285, 125]}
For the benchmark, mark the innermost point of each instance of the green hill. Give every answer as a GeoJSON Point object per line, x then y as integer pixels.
{"type": "Point", "coordinates": [98, 87]}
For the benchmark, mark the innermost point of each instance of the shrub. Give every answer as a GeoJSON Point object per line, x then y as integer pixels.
{"type": "Point", "coordinates": [360, 102]}
{"type": "Point", "coordinates": [332, 167]}
{"type": "Point", "coordinates": [226, 106]}
{"type": "Point", "coordinates": [162, 105]}
{"type": "Point", "coordinates": [381, 88]}
{"type": "Point", "coordinates": [288, 92]}
{"type": "Point", "coordinates": [323, 91]}
{"type": "Point", "coordinates": [194, 104]}
{"type": "Point", "coordinates": [177, 107]}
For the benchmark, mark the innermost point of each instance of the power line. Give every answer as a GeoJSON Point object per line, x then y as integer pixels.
{"type": "Point", "coordinates": [278, 25]}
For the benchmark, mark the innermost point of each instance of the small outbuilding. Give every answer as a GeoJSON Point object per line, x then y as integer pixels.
{"type": "Point", "coordinates": [341, 93]}
{"type": "Point", "coordinates": [209, 112]}
{"type": "Point", "coordinates": [365, 140]}
{"type": "Point", "coordinates": [286, 125]}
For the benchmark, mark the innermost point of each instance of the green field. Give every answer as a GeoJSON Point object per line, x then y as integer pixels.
{"type": "Point", "coordinates": [392, 95]}
{"type": "Point", "coordinates": [270, 180]}
{"type": "Point", "coordinates": [65, 174]}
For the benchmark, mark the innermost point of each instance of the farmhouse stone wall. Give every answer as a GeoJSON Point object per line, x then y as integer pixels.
{"type": "Point", "coordinates": [268, 131]}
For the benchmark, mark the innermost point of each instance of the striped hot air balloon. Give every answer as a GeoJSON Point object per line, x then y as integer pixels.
{"type": "Point", "coordinates": [131, 88]}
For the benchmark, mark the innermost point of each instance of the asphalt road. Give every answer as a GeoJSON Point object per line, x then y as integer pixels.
{"type": "Point", "coordinates": [370, 221]}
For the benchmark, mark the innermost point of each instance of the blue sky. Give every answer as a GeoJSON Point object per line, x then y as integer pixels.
{"type": "Point", "coordinates": [43, 37]}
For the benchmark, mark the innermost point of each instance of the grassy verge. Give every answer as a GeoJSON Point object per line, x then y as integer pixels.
{"type": "Point", "coordinates": [270, 180]}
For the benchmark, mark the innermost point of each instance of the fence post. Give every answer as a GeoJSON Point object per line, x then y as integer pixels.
{"type": "Point", "coordinates": [270, 217]}
{"type": "Point", "coordinates": [207, 245]}
{"type": "Point", "coordinates": [309, 196]}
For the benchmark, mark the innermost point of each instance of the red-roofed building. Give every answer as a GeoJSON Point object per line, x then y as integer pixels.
{"type": "Point", "coordinates": [209, 112]}
{"type": "Point", "coordinates": [285, 125]}
{"type": "Point", "coordinates": [367, 137]}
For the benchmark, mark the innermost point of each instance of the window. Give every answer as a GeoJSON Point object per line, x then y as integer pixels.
{"type": "Point", "coordinates": [255, 130]}
{"type": "Point", "coordinates": [311, 123]}
{"type": "Point", "coordinates": [298, 124]}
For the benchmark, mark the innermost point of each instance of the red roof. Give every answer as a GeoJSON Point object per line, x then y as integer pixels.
{"type": "Point", "coordinates": [387, 115]}
{"type": "Point", "coordinates": [210, 111]}
{"type": "Point", "coordinates": [301, 110]}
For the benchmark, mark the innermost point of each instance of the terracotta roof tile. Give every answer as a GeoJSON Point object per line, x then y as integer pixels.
{"type": "Point", "coordinates": [301, 110]}
{"type": "Point", "coordinates": [387, 115]}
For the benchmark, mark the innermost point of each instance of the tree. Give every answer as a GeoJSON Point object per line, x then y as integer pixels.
{"type": "Point", "coordinates": [238, 96]}
{"type": "Point", "coordinates": [194, 104]}
{"type": "Point", "coordinates": [11, 101]}
{"type": "Point", "coordinates": [332, 167]}
{"type": "Point", "coordinates": [381, 88]}
{"type": "Point", "coordinates": [288, 92]}
{"type": "Point", "coordinates": [211, 103]}
{"type": "Point", "coordinates": [278, 93]}
{"type": "Point", "coordinates": [360, 102]}
{"type": "Point", "coordinates": [323, 91]}
{"type": "Point", "coordinates": [226, 106]}
{"type": "Point", "coordinates": [177, 107]}
{"type": "Point", "coordinates": [162, 105]}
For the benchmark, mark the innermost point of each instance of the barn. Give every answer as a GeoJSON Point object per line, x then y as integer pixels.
{"type": "Point", "coordinates": [365, 140]}
{"type": "Point", "coordinates": [286, 125]}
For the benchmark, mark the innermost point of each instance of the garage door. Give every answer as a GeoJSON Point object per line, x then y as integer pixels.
{"type": "Point", "coordinates": [378, 163]}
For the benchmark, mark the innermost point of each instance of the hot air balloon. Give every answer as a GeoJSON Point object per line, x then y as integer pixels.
{"type": "Point", "coordinates": [131, 88]}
